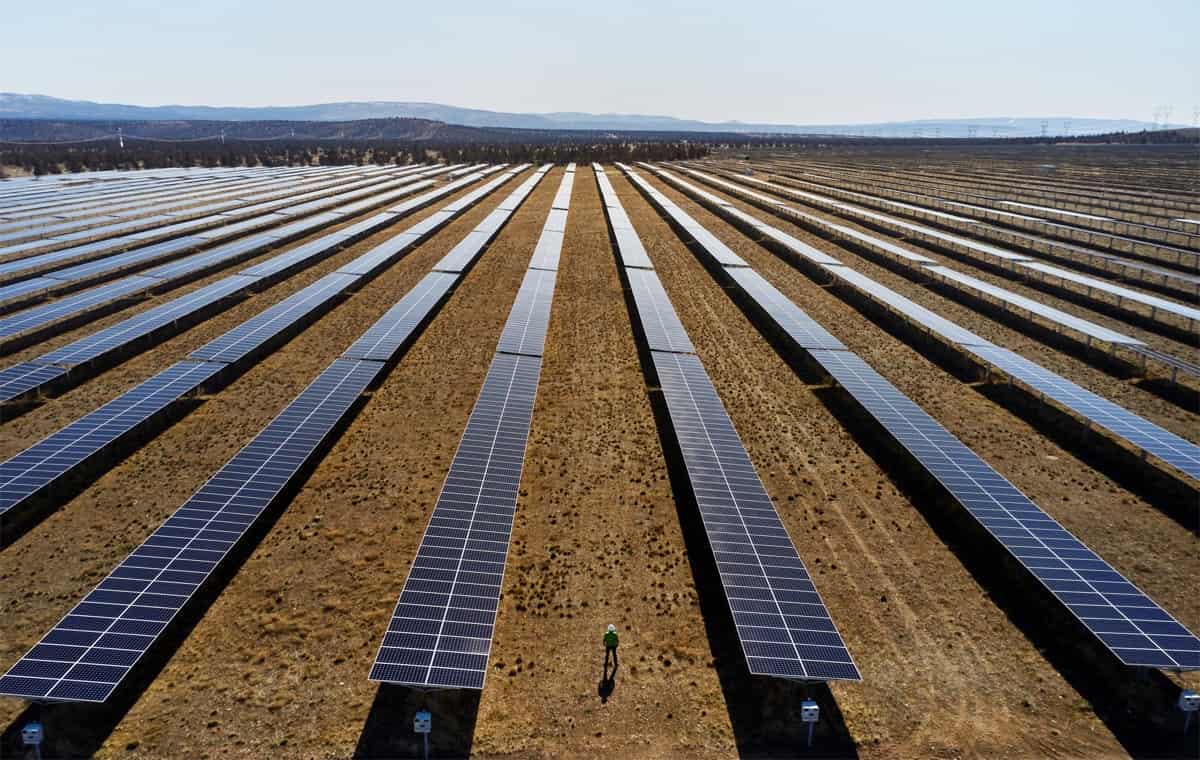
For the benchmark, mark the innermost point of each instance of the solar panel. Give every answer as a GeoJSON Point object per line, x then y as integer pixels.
{"type": "Point", "coordinates": [548, 250]}
{"type": "Point", "coordinates": [1142, 433]}
{"type": "Point", "coordinates": [20, 379]}
{"type": "Point", "coordinates": [911, 309]}
{"type": "Point", "coordinates": [464, 253]}
{"type": "Point", "coordinates": [525, 331]}
{"type": "Point", "coordinates": [802, 328]}
{"type": "Point", "coordinates": [252, 334]}
{"type": "Point", "coordinates": [48, 313]}
{"type": "Point", "coordinates": [718, 250]}
{"type": "Point", "coordinates": [660, 323]}
{"type": "Point", "coordinates": [557, 221]}
{"type": "Point", "coordinates": [230, 229]}
{"type": "Point", "coordinates": [630, 249]}
{"type": "Point", "coordinates": [25, 289]}
{"type": "Point", "coordinates": [562, 198]}
{"type": "Point", "coordinates": [1121, 293]}
{"type": "Point", "coordinates": [1121, 616]}
{"type": "Point", "coordinates": [46, 461]}
{"type": "Point", "coordinates": [118, 262]}
{"type": "Point", "coordinates": [193, 265]}
{"type": "Point", "coordinates": [91, 347]}
{"type": "Point", "coordinates": [303, 254]}
{"type": "Point", "coordinates": [783, 624]}
{"type": "Point", "coordinates": [1091, 329]}
{"type": "Point", "coordinates": [440, 632]}
{"type": "Point", "coordinates": [394, 328]}
{"type": "Point", "coordinates": [91, 650]}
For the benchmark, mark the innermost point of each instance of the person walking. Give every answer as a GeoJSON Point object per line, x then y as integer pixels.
{"type": "Point", "coordinates": [610, 645]}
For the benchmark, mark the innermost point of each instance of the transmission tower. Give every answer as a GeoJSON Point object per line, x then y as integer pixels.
{"type": "Point", "coordinates": [1045, 124]}
{"type": "Point", "coordinates": [1067, 127]}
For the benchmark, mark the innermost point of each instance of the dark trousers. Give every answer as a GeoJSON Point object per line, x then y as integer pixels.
{"type": "Point", "coordinates": [610, 650]}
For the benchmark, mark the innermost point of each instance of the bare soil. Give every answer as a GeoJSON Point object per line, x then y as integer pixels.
{"type": "Point", "coordinates": [277, 665]}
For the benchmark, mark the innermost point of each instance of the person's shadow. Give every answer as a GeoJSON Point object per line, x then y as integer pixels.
{"type": "Point", "coordinates": [608, 680]}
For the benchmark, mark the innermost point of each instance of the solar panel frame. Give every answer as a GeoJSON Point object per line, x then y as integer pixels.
{"type": "Point", "coordinates": [114, 626]}
{"type": "Point", "coordinates": [1119, 614]}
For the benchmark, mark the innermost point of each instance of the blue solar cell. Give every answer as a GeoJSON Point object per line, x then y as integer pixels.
{"type": "Point", "coordinates": [399, 324]}
{"type": "Point", "coordinates": [529, 317]}
{"type": "Point", "coordinates": [48, 460]}
{"type": "Point", "coordinates": [23, 378]}
{"type": "Point", "coordinates": [1086, 585]}
{"type": "Point", "coordinates": [775, 606]}
{"type": "Point", "coordinates": [187, 547]}
{"type": "Point", "coordinates": [664, 331]}
{"type": "Point", "coordinates": [267, 325]}
{"type": "Point", "coordinates": [441, 630]}
{"type": "Point", "coordinates": [91, 347]}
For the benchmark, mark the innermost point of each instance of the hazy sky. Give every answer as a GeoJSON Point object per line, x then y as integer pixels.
{"type": "Point", "coordinates": [795, 62]}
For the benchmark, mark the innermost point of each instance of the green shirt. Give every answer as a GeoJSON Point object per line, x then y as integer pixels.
{"type": "Point", "coordinates": [610, 639]}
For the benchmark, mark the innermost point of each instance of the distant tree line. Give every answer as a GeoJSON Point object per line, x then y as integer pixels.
{"type": "Point", "coordinates": [98, 156]}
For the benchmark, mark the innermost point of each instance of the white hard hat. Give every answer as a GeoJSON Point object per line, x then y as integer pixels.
{"type": "Point", "coordinates": [611, 627]}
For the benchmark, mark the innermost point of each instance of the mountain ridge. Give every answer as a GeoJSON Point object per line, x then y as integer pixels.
{"type": "Point", "coordinates": [43, 107]}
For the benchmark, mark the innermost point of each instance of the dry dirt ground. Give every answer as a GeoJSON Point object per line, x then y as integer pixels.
{"type": "Point", "coordinates": [276, 666]}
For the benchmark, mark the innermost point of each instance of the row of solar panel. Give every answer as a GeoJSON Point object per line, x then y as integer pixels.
{"type": "Point", "coordinates": [1071, 253]}
{"type": "Point", "coordinates": [38, 468]}
{"type": "Point", "coordinates": [784, 628]}
{"type": "Point", "coordinates": [1139, 432]}
{"type": "Point", "coordinates": [1150, 237]}
{"type": "Point", "coordinates": [22, 209]}
{"type": "Point", "coordinates": [87, 655]}
{"type": "Point", "coordinates": [1058, 192]}
{"type": "Point", "coordinates": [1121, 616]}
{"type": "Point", "coordinates": [148, 211]}
{"type": "Point", "coordinates": [30, 258]}
{"type": "Point", "coordinates": [440, 632]}
{"type": "Point", "coordinates": [1056, 317]}
{"type": "Point", "coordinates": [133, 204]}
{"type": "Point", "coordinates": [910, 257]}
{"type": "Point", "coordinates": [20, 326]}
{"type": "Point", "coordinates": [106, 259]}
{"type": "Point", "coordinates": [1015, 262]}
